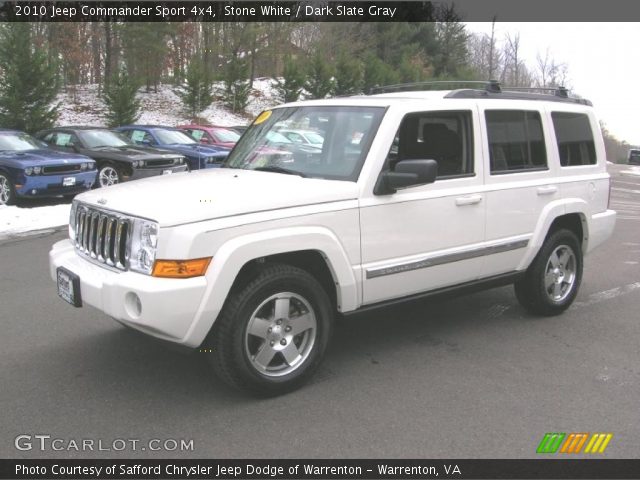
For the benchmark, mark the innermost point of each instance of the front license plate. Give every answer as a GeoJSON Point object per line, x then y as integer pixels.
{"type": "Point", "coordinates": [69, 287]}
{"type": "Point", "coordinates": [167, 172]}
{"type": "Point", "coordinates": [68, 181]}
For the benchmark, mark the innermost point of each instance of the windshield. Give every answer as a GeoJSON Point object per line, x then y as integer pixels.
{"type": "Point", "coordinates": [346, 133]}
{"type": "Point", "coordinates": [225, 135]}
{"type": "Point", "coordinates": [19, 142]}
{"type": "Point", "coordinates": [102, 138]}
{"type": "Point", "coordinates": [170, 137]}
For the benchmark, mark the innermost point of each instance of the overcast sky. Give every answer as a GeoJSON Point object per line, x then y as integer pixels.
{"type": "Point", "coordinates": [603, 61]}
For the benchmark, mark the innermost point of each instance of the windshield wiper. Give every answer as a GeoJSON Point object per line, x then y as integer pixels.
{"type": "Point", "coordinates": [275, 169]}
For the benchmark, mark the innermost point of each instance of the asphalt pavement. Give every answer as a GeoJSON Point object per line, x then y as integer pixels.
{"type": "Point", "coordinates": [470, 377]}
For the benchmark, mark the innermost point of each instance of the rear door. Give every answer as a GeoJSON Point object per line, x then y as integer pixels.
{"type": "Point", "coordinates": [519, 177]}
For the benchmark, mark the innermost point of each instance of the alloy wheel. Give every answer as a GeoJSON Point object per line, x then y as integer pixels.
{"type": "Point", "coordinates": [280, 334]}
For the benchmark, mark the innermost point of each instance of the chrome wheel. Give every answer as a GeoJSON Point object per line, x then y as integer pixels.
{"type": "Point", "coordinates": [5, 190]}
{"type": "Point", "coordinates": [280, 334]}
{"type": "Point", "coordinates": [108, 176]}
{"type": "Point", "coordinates": [560, 273]}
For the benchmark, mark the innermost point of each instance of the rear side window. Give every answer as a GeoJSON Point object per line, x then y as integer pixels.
{"type": "Point", "coordinates": [516, 141]}
{"type": "Point", "coordinates": [575, 139]}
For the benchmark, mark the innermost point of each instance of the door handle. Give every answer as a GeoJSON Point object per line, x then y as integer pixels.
{"type": "Point", "coordinates": [468, 200]}
{"type": "Point", "coordinates": [548, 190]}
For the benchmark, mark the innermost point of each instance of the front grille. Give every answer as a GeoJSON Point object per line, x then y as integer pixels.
{"type": "Point", "coordinates": [164, 162]}
{"type": "Point", "coordinates": [58, 169]}
{"type": "Point", "coordinates": [103, 236]}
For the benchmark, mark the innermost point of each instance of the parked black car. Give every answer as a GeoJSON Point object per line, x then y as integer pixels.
{"type": "Point", "coordinates": [118, 160]}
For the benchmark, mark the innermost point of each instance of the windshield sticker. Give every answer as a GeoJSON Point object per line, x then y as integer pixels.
{"type": "Point", "coordinates": [262, 117]}
{"type": "Point", "coordinates": [137, 136]}
{"type": "Point", "coordinates": [62, 139]}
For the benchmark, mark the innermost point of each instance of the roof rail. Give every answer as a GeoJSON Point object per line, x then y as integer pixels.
{"type": "Point", "coordinates": [557, 91]}
{"type": "Point", "coordinates": [490, 86]}
{"type": "Point", "coordinates": [486, 89]}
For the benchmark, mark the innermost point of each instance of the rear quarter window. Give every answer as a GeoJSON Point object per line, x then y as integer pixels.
{"type": "Point", "coordinates": [575, 139]}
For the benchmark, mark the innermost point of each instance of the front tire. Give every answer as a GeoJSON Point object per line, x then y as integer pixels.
{"type": "Point", "coordinates": [7, 190]}
{"type": "Point", "coordinates": [272, 333]}
{"type": "Point", "coordinates": [551, 282]}
{"type": "Point", "coordinates": [108, 174]}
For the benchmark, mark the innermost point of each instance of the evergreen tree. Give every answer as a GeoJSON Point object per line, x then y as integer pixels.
{"type": "Point", "coordinates": [236, 85]}
{"type": "Point", "coordinates": [28, 81]}
{"type": "Point", "coordinates": [377, 73]}
{"type": "Point", "coordinates": [348, 75]}
{"type": "Point", "coordinates": [292, 83]}
{"type": "Point", "coordinates": [320, 81]}
{"type": "Point", "coordinates": [195, 93]}
{"type": "Point", "coordinates": [120, 98]}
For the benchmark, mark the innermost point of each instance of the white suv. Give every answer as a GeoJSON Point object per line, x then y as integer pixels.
{"type": "Point", "coordinates": [411, 194]}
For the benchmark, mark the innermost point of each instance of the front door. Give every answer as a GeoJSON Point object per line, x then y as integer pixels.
{"type": "Point", "coordinates": [430, 236]}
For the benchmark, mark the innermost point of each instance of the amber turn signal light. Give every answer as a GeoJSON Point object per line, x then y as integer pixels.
{"type": "Point", "coordinates": [181, 268]}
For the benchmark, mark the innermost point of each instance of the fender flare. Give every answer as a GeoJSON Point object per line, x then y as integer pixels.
{"type": "Point", "coordinates": [548, 215]}
{"type": "Point", "coordinates": [229, 259]}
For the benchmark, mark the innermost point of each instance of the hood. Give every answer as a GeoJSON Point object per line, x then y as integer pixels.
{"type": "Point", "coordinates": [196, 150]}
{"type": "Point", "coordinates": [42, 157]}
{"type": "Point", "coordinates": [129, 153]}
{"type": "Point", "coordinates": [215, 193]}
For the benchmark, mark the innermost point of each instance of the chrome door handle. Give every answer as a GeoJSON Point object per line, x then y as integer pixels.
{"type": "Point", "coordinates": [468, 200]}
{"type": "Point", "coordinates": [548, 190]}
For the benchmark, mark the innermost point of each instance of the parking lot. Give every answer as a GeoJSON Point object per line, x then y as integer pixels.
{"type": "Point", "coordinates": [471, 377]}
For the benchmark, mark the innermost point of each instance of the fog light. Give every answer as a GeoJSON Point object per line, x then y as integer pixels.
{"type": "Point", "coordinates": [133, 305]}
{"type": "Point", "coordinates": [34, 191]}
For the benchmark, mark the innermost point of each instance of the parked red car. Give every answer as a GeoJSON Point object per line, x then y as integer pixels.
{"type": "Point", "coordinates": [212, 135]}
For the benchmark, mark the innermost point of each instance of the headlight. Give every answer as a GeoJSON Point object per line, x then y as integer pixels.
{"type": "Point", "coordinates": [37, 170]}
{"type": "Point", "coordinates": [92, 165]}
{"type": "Point", "coordinates": [72, 221]}
{"type": "Point", "coordinates": [28, 171]}
{"type": "Point", "coordinates": [83, 166]}
{"type": "Point", "coordinates": [144, 242]}
{"type": "Point", "coordinates": [180, 160]}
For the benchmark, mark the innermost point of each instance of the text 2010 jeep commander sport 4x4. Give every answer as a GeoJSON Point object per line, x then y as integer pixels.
{"type": "Point", "coordinates": [411, 193]}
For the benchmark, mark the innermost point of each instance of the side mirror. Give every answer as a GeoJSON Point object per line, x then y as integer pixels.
{"type": "Point", "coordinates": [407, 173]}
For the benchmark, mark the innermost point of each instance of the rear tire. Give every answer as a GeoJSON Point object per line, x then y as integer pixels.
{"type": "Point", "coordinates": [273, 332]}
{"type": "Point", "coordinates": [7, 190]}
{"type": "Point", "coordinates": [551, 282]}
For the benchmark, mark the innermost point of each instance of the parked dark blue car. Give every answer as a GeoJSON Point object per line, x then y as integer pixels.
{"type": "Point", "coordinates": [28, 168]}
{"type": "Point", "coordinates": [198, 156]}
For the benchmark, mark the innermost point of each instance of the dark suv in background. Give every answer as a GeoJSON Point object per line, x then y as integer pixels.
{"type": "Point", "coordinates": [118, 160]}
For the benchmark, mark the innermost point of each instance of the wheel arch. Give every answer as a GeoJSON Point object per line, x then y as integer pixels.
{"type": "Point", "coordinates": [570, 214]}
{"type": "Point", "coordinates": [236, 260]}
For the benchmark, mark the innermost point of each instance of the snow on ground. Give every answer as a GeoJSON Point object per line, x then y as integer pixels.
{"type": "Point", "coordinates": [81, 105]}
{"type": "Point", "coordinates": [16, 220]}
{"type": "Point", "coordinates": [631, 171]}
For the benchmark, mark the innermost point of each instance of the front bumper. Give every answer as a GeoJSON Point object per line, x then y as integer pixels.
{"type": "Point", "coordinates": [52, 185]}
{"type": "Point", "coordinates": [138, 173]}
{"type": "Point", "coordinates": [169, 306]}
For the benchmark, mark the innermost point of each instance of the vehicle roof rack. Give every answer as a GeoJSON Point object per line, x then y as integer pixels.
{"type": "Point", "coordinates": [486, 89]}
{"type": "Point", "coordinates": [491, 85]}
